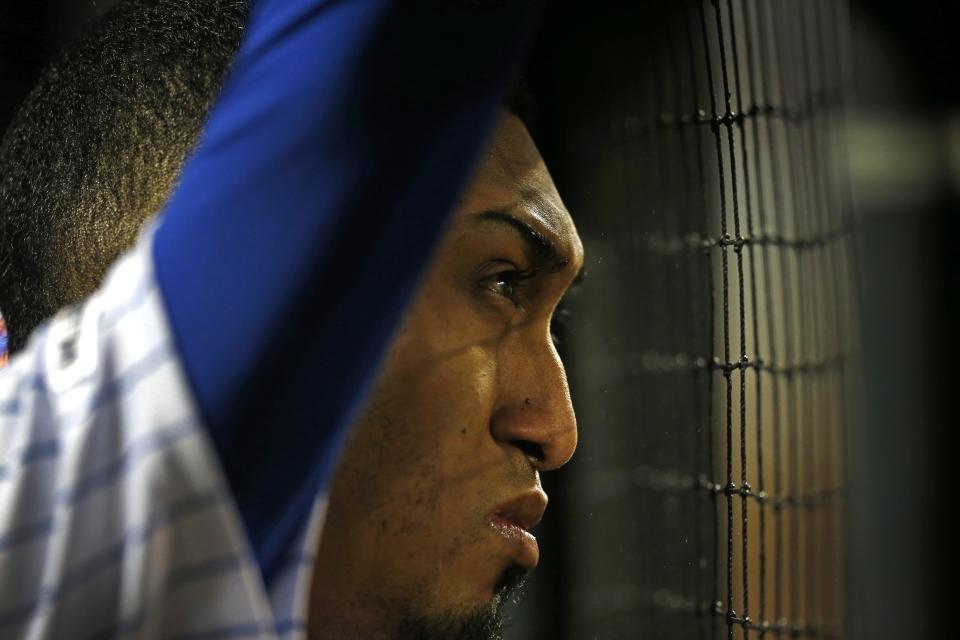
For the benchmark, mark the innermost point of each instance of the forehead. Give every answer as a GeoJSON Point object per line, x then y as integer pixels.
{"type": "Point", "coordinates": [512, 177]}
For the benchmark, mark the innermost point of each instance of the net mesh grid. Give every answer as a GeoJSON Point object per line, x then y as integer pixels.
{"type": "Point", "coordinates": [739, 108]}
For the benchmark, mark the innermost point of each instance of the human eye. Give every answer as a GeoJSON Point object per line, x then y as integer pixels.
{"type": "Point", "coordinates": [507, 283]}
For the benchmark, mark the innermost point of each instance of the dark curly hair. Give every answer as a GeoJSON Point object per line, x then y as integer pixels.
{"type": "Point", "coordinates": [98, 145]}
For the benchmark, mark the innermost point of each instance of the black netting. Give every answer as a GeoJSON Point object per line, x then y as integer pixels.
{"type": "Point", "coordinates": [698, 146]}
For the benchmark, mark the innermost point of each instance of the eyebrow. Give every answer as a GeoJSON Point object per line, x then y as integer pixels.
{"type": "Point", "coordinates": [543, 252]}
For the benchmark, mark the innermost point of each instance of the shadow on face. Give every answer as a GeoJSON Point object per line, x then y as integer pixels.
{"type": "Point", "coordinates": [429, 510]}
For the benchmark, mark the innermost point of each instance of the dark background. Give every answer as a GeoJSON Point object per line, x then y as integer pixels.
{"type": "Point", "coordinates": [31, 32]}
{"type": "Point", "coordinates": [906, 86]}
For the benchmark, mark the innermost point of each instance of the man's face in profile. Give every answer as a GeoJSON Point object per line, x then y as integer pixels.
{"type": "Point", "coordinates": [428, 512]}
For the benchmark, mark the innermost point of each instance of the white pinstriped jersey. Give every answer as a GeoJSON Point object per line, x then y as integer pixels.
{"type": "Point", "coordinates": [115, 518]}
{"type": "Point", "coordinates": [346, 129]}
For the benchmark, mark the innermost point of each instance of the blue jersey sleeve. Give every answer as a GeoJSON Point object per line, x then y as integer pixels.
{"type": "Point", "coordinates": [304, 219]}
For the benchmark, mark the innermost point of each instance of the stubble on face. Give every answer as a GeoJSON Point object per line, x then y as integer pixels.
{"type": "Point", "coordinates": [483, 624]}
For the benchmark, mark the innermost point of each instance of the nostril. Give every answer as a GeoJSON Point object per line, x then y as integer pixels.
{"type": "Point", "coordinates": [530, 449]}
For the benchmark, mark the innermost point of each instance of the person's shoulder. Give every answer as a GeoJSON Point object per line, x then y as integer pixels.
{"type": "Point", "coordinates": [99, 351]}
{"type": "Point", "coordinates": [96, 417]}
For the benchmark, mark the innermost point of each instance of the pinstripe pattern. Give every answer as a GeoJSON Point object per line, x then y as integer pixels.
{"type": "Point", "coordinates": [115, 520]}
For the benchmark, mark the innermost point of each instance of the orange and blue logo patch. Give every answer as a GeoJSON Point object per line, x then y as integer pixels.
{"type": "Point", "coordinates": [3, 342]}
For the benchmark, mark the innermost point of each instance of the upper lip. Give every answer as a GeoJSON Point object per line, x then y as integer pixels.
{"type": "Point", "coordinates": [525, 510]}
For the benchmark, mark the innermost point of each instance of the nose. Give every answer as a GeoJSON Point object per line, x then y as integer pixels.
{"type": "Point", "coordinates": [534, 412]}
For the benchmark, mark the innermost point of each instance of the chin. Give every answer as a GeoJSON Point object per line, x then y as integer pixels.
{"type": "Point", "coordinates": [509, 587]}
{"type": "Point", "coordinates": [482, 622]}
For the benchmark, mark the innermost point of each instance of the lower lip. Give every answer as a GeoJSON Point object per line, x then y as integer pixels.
{"type": "Point", "coordinates": [525, 542]}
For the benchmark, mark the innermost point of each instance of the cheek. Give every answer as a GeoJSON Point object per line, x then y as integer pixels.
{"type": "Point", "coordinates": [444, 400]}
{"type": "Point", "coordinates": [411, 495]}
{"type": "Point", "coordinates": [441, 369]}
{"type": "Point", "coordinates": [416, 447]}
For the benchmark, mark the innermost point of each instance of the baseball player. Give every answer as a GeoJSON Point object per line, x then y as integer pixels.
{"type": "Point", "coordinates": [164, 444]}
